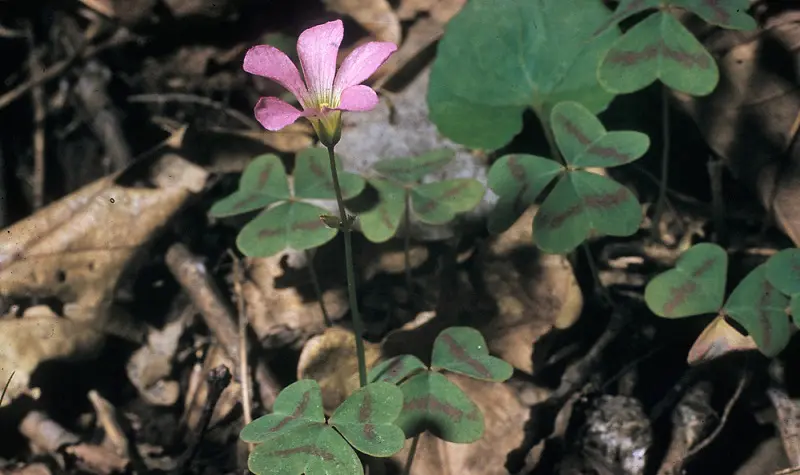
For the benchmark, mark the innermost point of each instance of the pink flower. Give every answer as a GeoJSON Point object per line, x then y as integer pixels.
{"type": "Point", "coordinates": [325, 91]}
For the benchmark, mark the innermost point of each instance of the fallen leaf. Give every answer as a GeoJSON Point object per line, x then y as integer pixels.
{"type": "Point", "coordinates": [98, 459]}
{"type": "Point", "coordinates": [530, 301]}
{"type": "Point", "coordinates": [719, 338]}
{"type": "Point", "coordinates": [376, 16]}
{"type": "Point", "coordinates": [330, 359]}
{"type": "Point", "coordinates": [76, 250]}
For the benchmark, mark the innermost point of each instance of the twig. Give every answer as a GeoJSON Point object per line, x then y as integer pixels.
{"type": "Point", "coordinates": [725, 414]}
{"type": "Point", "coordinates": [247, 121]}
{"type": "Point", "coordinates": [191, 273]}
{"type": "Point", "coordinates": [55, 70]}
{"type": "Point", "coordinates": [5, 388]}
{"type": "Point", "coordinates": [411, 452]}
{"type": "Point", "coordinates": [317, 287]}
{"type": "Point", "coordinates": [39, 114]}
{"type": "Point", "coordinates": [218, 379]}
{"type": "Point", "coordinates": [244, 371]}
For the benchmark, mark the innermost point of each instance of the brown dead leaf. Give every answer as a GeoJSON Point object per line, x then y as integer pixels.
{"type": "Point", "coordinates": [76, 250]}
{"type": "Point", "coordinates": [505, 417]}
{"type": "Point", "coordinates": [751, 119]}
{"type": "Point", "coordinates": [530, 300]}
{"type": "Point", "coordinates": [230, 397]}
{"type": "Point", "coordinates": [376, 16]}
{"type": "Point", "coordinates": [718, 338]}
{"type": "Point", "coordinates": [440, 10]}
{"type": "Point", "coordinates": [98, 459]}
{"type": "Point", "coordinates": [330, 359]}
{"type": "Point", "coordinates": [275, 306]}
{"type": "Point", "coordinates": [131, 11]}
{"type": "Point", "coordinates": [788, 421]}
{"type": "Point", "coordinates": [32, 469]}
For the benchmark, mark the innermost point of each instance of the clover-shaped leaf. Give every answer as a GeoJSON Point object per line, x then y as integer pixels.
{"type": "Point", "coordinates": [463, 350]}
{"type": "Point", "coordinates": [366, 419]}
{"type": "Point", "coordinates": [262, 183]}
{"type": "Point", "coordinates": [432, 203]}
{"type": "Point", "coordinates": [411, 170]}
{"type": "Point", "coordinates": [440, 202]}
{"type": "Point", "coordinates": [432, 402]}
{"type": "Point", "coordinates": [483, 79]}
{"type": "Point", "coordinates": [287, 221]}
{"type": "Point", "coordinates": [783, 271]}
{"type": "Point", "coordinates": [581, 202]}
{"type": "Point", "coordinates": [396, 369]}
{"type": "Point", "coordinates": [658, 47]}
{"type": "Point", "coordinates": [313, 179]}
{"type": "Point", "coordinates": [761, 309]}
{"type": "Point", "coordinates": [294, 439]}
{"type": "Point", "coordinates": [794, 309]}
{"type": "Point", "coordinates": [695, 286]}
{"type": "Point", "coordinates": [729, 14]}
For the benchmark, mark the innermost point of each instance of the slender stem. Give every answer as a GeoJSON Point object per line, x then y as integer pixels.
{"type": "Point", "coordinates": [662, 190]}
{"type": "Point", "coordinates": [5, 388]}
{"type": "Point", "coordinates": [411, 452]}
{"type": "Point", "coordinates": [407, 243]}
{"type": "Point", "coordinates": [551, 142]}
{"type": "Point", "coordinates": [596, 275]}
{"type": "Point", "coordinates": [317, 288]}
{"type": "Point", "coordinates": [345, 224]}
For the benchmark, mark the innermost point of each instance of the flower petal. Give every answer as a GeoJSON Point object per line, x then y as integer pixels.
{"type": "Point", "coordinates": [362, 63]}
{"type": "Point", "coordinates": [272, 63]}
{"type": "Point", "coordinates": [318, 48]}
{"type": "Point", "coordinates": [358, 98]}
{"type": "Point", "coordinates": [275, 114]}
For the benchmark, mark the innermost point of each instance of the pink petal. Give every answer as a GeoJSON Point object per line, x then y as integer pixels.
{"type": "Point", "coordinates": [362, 63]}
{"type": "Point", "coordinates": [318, 47]}
{"type": "Point", "coordinates": [275, 114]}
{"type": "Point", "coordinates": [358, 98]}
{"type": "Point", "coordinates": [272, 63]}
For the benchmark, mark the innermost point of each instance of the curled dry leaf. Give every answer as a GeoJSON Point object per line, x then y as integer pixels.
{"type": "Point", "coordinates": [76, 250]}
{"type": "Point", "coordinates": [376, 16]}
{"type": "Point", "coordinates": [719, 338]}
{"type": "Point", "coordinates": [330, 359]}
{"type": "Point", "coordinates": [530, 301]}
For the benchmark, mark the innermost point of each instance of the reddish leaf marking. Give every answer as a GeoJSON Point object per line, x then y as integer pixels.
{"type": "Point", "coordinates": [763, 317]}
{"type": "Point", "coordinates": [385, 218]}
{"type": "Point", "coordinates": [461, 354]}
{"type": "Point", "coordinates": [308, 225]}
{"type": "Point", "coordinates": [517, 170]}
{"type": "Point", "coordinates": [574, 131]}
{"type": "Point", "coordinates": [555, 221]}
{"type": "Point", "coordinates": [719, 12]}
{"type": "Point", "coordinates": [704, 267]}
{"type": "Point", "coordinates": [264, 175]}
{"type": "Point", "coordinates": [429, 403]}
{"type": "Point", "coordinates": [369, 431]}
{"type": "Point", "coordinates": [607, 200]}
{"type": "Point", "coordinates": [454, 191]}
{"type": "Point", "coordinates": [609, 152]}
{"type": "Point", "coordinates": [298, 411]}
{"type": "Point", "coordinates": [305, 449]}
{"type": "Point", "coordinates": [678, 296]}
{"type": "Point", "coordinates": [365, 411]}
{"type": "Point", "coordinates": [394, 368]}
{"type": "Point", "coordinates": [269, 232]}
{"type": "Point", "coordinates": [687, 60]}
{"type": "Point", "coordinates": [315, 169]}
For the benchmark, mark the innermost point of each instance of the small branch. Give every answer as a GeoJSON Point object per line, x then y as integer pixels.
{"type": "Point", "coordinates": [245, 120]}
{"type": "Point", "coordinates": [191, 273]}
{"type": "Point", "coordinates": [725, 414]}
{"type": "Point", "coordinates": [5, 388]}
{"type": "Point", "coordinates": [411, 452]}
{"type": "Point", "coordinates": [217, 379]}
{"type": "Point", "coordinates": [39, 114]}
{"type": "Point", "coordinates": [244, 370]}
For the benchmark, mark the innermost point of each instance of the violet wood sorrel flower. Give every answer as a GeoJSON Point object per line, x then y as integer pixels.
{"type": "Point", "coordinates": [325, 93]}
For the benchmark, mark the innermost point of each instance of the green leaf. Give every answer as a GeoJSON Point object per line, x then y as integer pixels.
{"type": "Point", "coordinates": [396, 369]}
{"type": "Point", "coordinates": [626, 9]}
{"type": "Point", "coordinates": [729, 13]}
{"type": "Point", "coordinates": [783, 271]}
{"type": "Point", "coordinates": [518, 180]}
{"type": "Point", "coordinates": [536, 54]}
{"type": "Point", "coordinates": [380, 223]}
{"type": "Point", "coordinates": [309, 449]}
{"type": "Point", "coordinates": [262, 183]}
{"type": "Point", "coordinates": [584, 142]}
{"type": "Point", "coordinates": [463, 350]}
{"type": "Point", "coordinates": [298, 404]}
{"type": "Point", "coordinates": [366, 419]}
{"type": "Point", "coordinates": [659, 47]}
{"type": "Point", "coordinates": [439, 202]}
{"type": "Point", "coordinates": [431, 402]}
{"type": "Point", "coordinates": [292, 224]}
{"type": "Point", "coordinates": [313, 180]}
{"type": "Point", "coordinates": [794, 309]}
{"type": "Point", "coordinates": [411, 170]}
{"type": "Point", "coordinates": [761, 309]}
{"type": "Point", "coordinates": [581, 203]}
{"type": "Point", "coordinates": [695, 286]}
